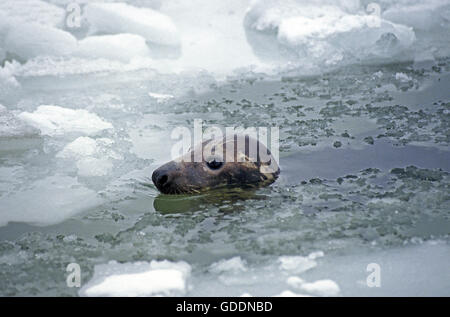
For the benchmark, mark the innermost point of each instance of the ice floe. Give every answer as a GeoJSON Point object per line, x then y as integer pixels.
{"type": "Point", "coordinates": [28, 40]}
{"type": "Point", "coordinates": [420, 14]}
{"type": "Point", "coordinates": [235, 264]}
{"type": "Point", "coordinates": [321, 288]}
{"type": "Point", "coordinates": [122, 47]}
{"type": "Point", "coordinates": [296, 264]}
{"type": "Point", "coordinates": [288, 293]}
{"type": "Point", "coordinates": [160, 98]}
{"type": "Point", "coordinates": [33, 11]}
{"type": "Point", "coordinates": [113, 18]}
{"type": "Point", "coordinates": [12, 127]}
{"type": "Point", "coordinates": [295, 281]}
{"type": "Point", "coordinates": [93, 157]}
{"type": "Point", "coordinates": [402, 77]}
{"type": "Point", "coordinates": [324, 32]}
{"type": "Point", "coordinates": [47, 201]}
{"type": "Point", "coordinates": [15, 134]}
{"type": "Point", "coordinates": [139, 279]}
{"type": "Point", "coordinates": [54, 120]}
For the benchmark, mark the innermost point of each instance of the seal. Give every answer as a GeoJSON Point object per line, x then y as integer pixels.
{"type": "Point", "coordinates": [231, 161]}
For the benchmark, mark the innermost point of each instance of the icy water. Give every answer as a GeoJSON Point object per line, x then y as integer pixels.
{"type": "Point", "coordinates": [364, 156]}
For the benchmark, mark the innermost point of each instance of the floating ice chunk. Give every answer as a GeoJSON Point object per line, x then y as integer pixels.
{"type": "Point", "coordinates": [138, 279]}
{"type": "Point", "coordinates": [385, 200]}
{"type": "Point", "coordinates": [92, 156]}
{"type": "Point", "coordinates": [315, 255]}
{"type": "Point", "coordinates": [28, 40]}
{"type": "Point", "coordinates": [121, 47]}
{"type": "Point", "coordinates": [15, 134]}
{"type": "Point", "coordinates": [47, 201]}
{"type": "Point", "coordinates": [296, 264]}
{"type": "Point", "coordinates": [321, 288]}
{"type": "Point", "coordinates": [402, 77]}
{"type": "Point", "coordinates": [86, 146]}
{"type": "Point", "coordinates": [353, 30]}
{"type": "Point", "coordinates": [82, 146]}
{"type": "Point", "coordinates": [7, 79]}
{"type": "Point", "coordinates": [33, 11]}
{"type": "Point", "coordinates": [235, 265]}
{"type": "Point", "coordinates": [113, 18]}
{"type": "Point", "coordinates": [233, 272]}
{"type": "Point", "coordinates": [55, 120]}
{"type": "Point", "coordinates": [91, 166]}
{"type": "Point", "coordinates": [378, 74]}
{"type": "Point", "coordinates": [325, 33]}
{"type": "Point", "coordinates": [287, 293]}
{"type": "Point", "coordinates": [160, 98]}
{"type": "Point", "coordinates": [294, 281]}
{"type": "Point", "coordinates": [299, 29]}
{"type": "Point", "coordinates": [12, 127]}
{"type": "Point", "coordinates": [422, 14]}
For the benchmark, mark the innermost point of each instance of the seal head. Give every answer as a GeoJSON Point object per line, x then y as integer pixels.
{"type": "Point", "coordinates": [236, 161]}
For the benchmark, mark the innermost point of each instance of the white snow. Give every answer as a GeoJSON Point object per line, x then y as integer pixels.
{"type": "Point", "coordinates": [113, 18]}
{"type": "Point", "coordinates": [47, 201]}
{"type": "Point", "coordinates": [54, 120]}
{"type": "Point", "coordinates": [138, 279]}
{"type": "Point", "coordinates": [122, 47]}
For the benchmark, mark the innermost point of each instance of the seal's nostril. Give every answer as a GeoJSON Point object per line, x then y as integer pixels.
{"type": "Point", "coordinates": [162, 180]}
{"type": "Point", "coordinates": [162, 177]}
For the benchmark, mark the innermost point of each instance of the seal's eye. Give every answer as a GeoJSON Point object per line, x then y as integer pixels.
{"type": "Point", "coordinates": [214, 164]}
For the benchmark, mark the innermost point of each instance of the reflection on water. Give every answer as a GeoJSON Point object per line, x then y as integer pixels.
{"type": "Point", "coordinates": [226, 200]}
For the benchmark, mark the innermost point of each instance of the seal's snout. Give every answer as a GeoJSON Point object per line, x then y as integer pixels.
{"type": "Point", "coordinates": [159, 179]}
{"type": "Point", "coordinates": [162, 177]}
